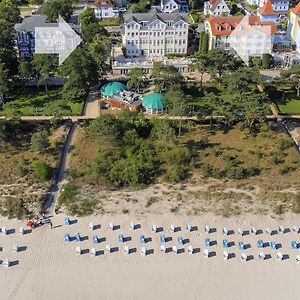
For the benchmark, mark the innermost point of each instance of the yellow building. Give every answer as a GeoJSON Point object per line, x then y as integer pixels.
{"type": "Point", "coordinates": [294, 26]}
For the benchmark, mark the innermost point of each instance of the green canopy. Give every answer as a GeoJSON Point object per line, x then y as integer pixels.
{"type": "Point", "coordinates": [153, 101]}
{"type": "Point", "coordinates": [112, 88]}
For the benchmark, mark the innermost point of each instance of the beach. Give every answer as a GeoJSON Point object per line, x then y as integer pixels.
{"type": "Point", "coordinates": [50, 269]}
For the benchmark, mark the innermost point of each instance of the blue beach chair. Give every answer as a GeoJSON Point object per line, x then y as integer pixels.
{"type": "Point", "coordinates": [225, 243]}
{"type": "Point", "coordinates": [241, 245]}
{"type": "Point", "coordinates": [294, 245]}
{"type": "Point", "coordinates": [121, 238]}
{"type": "Point", "coordinates": [78, 237]}
{"type": "Point", "coordinates": [142, 239]}
{"type": "Point", "coordinates": [273, 245]}
{"type": "Point", "coordinates": [95, 239]}
{"type": "Point", "coordinates": [207, 242]}
{"type": "Point", "coordinates": [260, 244]}
{"type": "Point", "coordinates": [67, 221]}
{"type": "Point", "coordinates": [67, 238]}
{"type": "Point", "coordinates": [162, 239]}
{"type": "Point", "coordinates": [180, 240]}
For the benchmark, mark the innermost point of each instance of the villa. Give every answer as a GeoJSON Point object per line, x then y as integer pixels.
{"type": "Point", "coordinates": [105, 10]}
{"type": "Point", "coordinates": [267, 13]}
{"type": "Point", "coordinates": [294, 27]}
{"type": "Point", "coordinates": [216, 8]}
{"type": "Point", "coordinates": [280, 7]}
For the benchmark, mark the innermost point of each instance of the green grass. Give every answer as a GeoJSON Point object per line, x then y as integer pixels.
{"type": "Point", "coordinates": [110, 22]}
{"type": "Point", "coordinates": [291, 107]}
{"type": "Point", "coordinates": [35, 101]}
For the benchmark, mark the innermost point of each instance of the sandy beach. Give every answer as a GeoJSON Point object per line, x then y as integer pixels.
{"type": "Point", "coordinates": [50, 269]}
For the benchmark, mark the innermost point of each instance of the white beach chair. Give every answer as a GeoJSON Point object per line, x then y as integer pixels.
{"type": "Point", "coordinates": [15, 248]}
{"type": "Point", "coordinates": [78, 250]}
{"type": "Point", "coordinates": [298, 258]}
{"type": "Point", "coordinates": [126, 249]}
{"type": "Point", "coordinates": [225, 255]}
{"type": "Point", "coordinates": [132, 226]}
{"type": "Point", "coordinates": [174, 249]}
{"type": "Point", "coordinates": [4, 230]}
{"type": "Point", "coordinates": [154, 228]}
{"type": "Point", "coordinates": [296, 229]}
{"type": "Point", "coordinates": [91, 226]}
{"type": "Point", "coordinates": [143, 251]}
{"type": "Point", "coordinates": [21, 230]}
{"type": "Point", "coordinates": [110, 226]}
{"type": "Point", "coordinates": [6, 262]}
{"type": "Point", "coordinates": [188, 227]}
{"type": "Point", "coordinates": [172, 228]}
{"type": "Point", "coordinates": [108, 248]}
{"type": "Point", "coordinates": [163, 248]}
{"type": "Point", "coordinates": [206, 253]}
{"type": "Point", "coordinates": [261, 255]}
{"type": "Point", "coordinates": [268, 231]}
{"type": "Point", "coordinates": [207, 229]}
{"type": "Point", "coordinates": [225, 231]}
{"type": "Point", "coordinates": [281, 229]}
{"type": "Point", "coordinates": [240, 231]}
{"type": "Point", "coordinates": [279, 256]}
{"type": "Point", "coordinates": [190, 249]}
{"type": "Point", "coordinates": [244, 256]}
{"type": "Point", "coordinates": [93, 251]}
{"type": "Point", "coordinates": [254, 230]}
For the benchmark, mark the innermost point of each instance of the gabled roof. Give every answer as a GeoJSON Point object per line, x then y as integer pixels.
{"type": "Point", "coordinates": [226, 25]}
{"type": "Point", "coordinates": [104, 3]}
{"type": "Point", "coordinates": [214, 4]}
{"type": "Point", "coordinates": [267, 9]}
{"type": "Point", "coordinates": [296, 9]}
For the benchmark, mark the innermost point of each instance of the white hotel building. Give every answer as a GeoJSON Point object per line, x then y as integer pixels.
{"type": "Point", "coordinates": [155, 34]}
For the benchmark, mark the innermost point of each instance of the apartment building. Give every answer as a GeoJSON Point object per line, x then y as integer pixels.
{"type": "Point", "coordinates": [104, 9]}
{"type": "Point", "coordinates": [155, 34]}
{"type": "Point", "coordinates": [279, 6]}
{"type": "Point", "coordinates": [216, 8]}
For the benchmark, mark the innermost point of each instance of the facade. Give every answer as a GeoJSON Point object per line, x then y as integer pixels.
{"type": "Point", "coordinates": [26, 33]}
{"type": "Point", "coordinates": [168, 6]}
{"type": "Point", "coordinates": [267, 13]}
{"type": "Point", "coordinates": [105, 10]}
{"type": "Point", "coordinates": [294, 27]}
{"type": "Point", "coordinates": [220, 29]}
{"type": "Point", "coordinates": [155, 34]}
{"type": "Point", "coordinates": [278, 6]}
{"type": "Point", "coordinates": [216, 8]}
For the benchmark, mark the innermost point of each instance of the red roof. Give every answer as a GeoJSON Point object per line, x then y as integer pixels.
{"type": "Point", "coordinates": [214, 4]}
{"type": "Point", "coordinates": [103, 3]}
{"type": "Point", "coordinates": [226, 25]}
{"type": "Point", "coordinates": [267, 9]}
{"type": "Point", "coordinates": [296, 9]}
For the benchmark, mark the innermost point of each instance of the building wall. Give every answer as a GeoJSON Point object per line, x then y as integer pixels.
{"type": "Point", "coordinates": [155, 40]}
{"type": "Point", "coordinates": [221, 9]}
{"type": "Point", "coordinates": [106, 12]}
{"type": "Point", "coordinates": [293, 27]}
{"type": "Point", "coordinates": [171, 6]}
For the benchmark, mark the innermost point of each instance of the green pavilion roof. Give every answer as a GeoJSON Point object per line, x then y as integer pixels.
{"type": "Point", "coordinates": [112, 88]}
{"type": "Point", "coordinates": [153, 101]}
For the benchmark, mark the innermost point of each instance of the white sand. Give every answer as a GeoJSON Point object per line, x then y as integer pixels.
{"type": "Point", "coordinates": [50, 269]}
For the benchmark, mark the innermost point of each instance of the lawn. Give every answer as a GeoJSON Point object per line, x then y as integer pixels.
{"type": "Point", "coordinates": [291, 107]}
{"type": "Point", "coordinates": [35, 101]}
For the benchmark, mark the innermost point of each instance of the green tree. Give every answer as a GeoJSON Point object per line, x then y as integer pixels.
{"type": "Point", "coordinates": [91, 30]}
{"type": "Point", "coordinates": [137, 79]}
{"type": "Point", "coordinates": [54, 8]}
{"type": "Point", "coordinates": [44, 65]}
{"type": "Point", "coordinates": [292, 76]}
{"type": "Point", "coordinates": [87, 17]}
{"type": "Point", "coordinates": [9, 12]}
{"type": "Point", "coordinates": [203, 43]}
{"type": "Point", "coordinates": [39, 141]}
{"type": "Point", "coordinates": [200, 64]}
{"type": "Point", "coordinates": [3, 81]}
{"type": "Point", "coordinates": [25, 70]}
{"type": "Point", "coordinates": [267, 60]}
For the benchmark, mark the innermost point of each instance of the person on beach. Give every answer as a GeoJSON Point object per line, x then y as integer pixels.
{"type": "Point", "coordinates": [50, 224]}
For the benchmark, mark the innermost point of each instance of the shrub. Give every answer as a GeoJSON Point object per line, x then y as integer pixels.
{"type": "Point", "coordinates": [278, 209]}
{"type": "Point", "coordinates": [296, 204]}
{"type": "Point", "coordinates": [39, 141]}
{"type": "Point", "coordinates": [284, 144]}
{"type": "Point", "coordinates": [286, 169]}
{"type": "Point", "coordinates": [42, 171]}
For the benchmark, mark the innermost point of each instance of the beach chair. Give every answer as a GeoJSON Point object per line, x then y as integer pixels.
{"type": "Point", "coordinates": [207, 242]}
{"type": "Point", "coordinates": [163, 248]}
{"type": "Point", "coordinates": [162, 239]}
{"type": "Point", "coordinates": [93, 251]}
{"type": "Point", "coordinates": [22, 230]}
{"type": "Point", "coordinates": [279, 256]}
{"type": "Point", "coordinates": [95, 239]}
{"type": "Point", "coordinates": [110, 226]}
{"type": "Point", "coordinates": [15, 248]}
{"type": "Point", "coordinates": [269, 231]}
{"type": "Point", "coordinates": [78, 237]}
{"type": "Point", "coordinates": [180, 240]}
{"type": "Point", "coordinates": [188, 227]}
{"type": "Point", "coordinates": [240, 231]}
{"type": "Point", "coordinates": [91, 226]}
{"type": "Point", "coordinates": [190, 249]}
{"type": "Point", "coordinates": [174, 249]}
{"type": "Point", "coordinates": [154, 228]}
{"type": "Point", "coordinates": [254, 230]}
{"type": "Point", "coordinates": [225, 243]}
{"type": "Point", "coordinates": [206, 253]}
{"type": "Point", "coordinates": [172, 228]}
{"type": "Point", "coordinates": [296, 229]}
{"type": "Point", "coordinates": [126, 249]}
{"type": "Point", "coordinates": [6, 262]}
{"type": "Point", "coordinates": [143, 251]}
{"type": "Point", "coordinates": [298, 258]}
{"type": "Point", "coordinates": [294, 245]}
{"type": "Point", "coordinates": [78, 250]}
{"type": "Point", "coordinates": [273, 245]}
{"type": "Point", "coordinates": [121, 238]}
{"type": "Point", "coordinates": [261, 255]}
{"type": "Point", "coordinates": [67, 221]}
{"type": "Point", "coordinates": [244, 256]}
{"type": "Point", "coordinates": [207, 229]}
{"type": "Point", "coordinates": [108, 248]}
{"type": "Point", "coordinates": [260, 244]}
{"type": "Point", "coordinates": [225, 255]}
{"type": "Point", "coordinates": [67, 238]}
{"type": "Point", "coordinates": [225, 231]}
{"type": "Point", "coordinates": [241, 245]}
{"type": "Point", "coordinates": [4, 230]}
{"type": "Point", "coordinates": [142, 239]}
{"type": "Point", "coordinates": [281, 229]}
